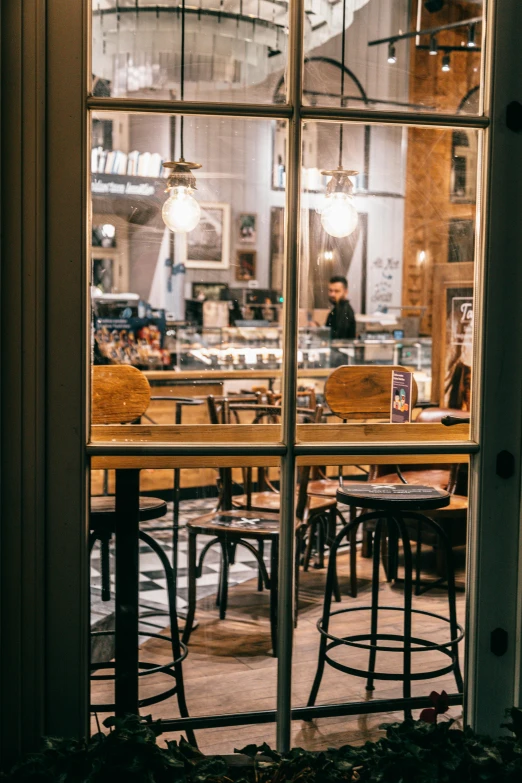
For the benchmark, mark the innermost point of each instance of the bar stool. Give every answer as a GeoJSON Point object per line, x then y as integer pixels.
{"type": "Point", "coordinates": [391, 505]}
{"type": "Point", "coordinates": [120, 395]}
{"type": "Point", "coordinates": [102, 524]}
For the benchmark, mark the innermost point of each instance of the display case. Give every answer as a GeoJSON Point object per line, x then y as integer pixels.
{"type": "Point", "coordinates": [243, 347]}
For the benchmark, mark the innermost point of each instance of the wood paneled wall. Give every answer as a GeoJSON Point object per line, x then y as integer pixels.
{"type": "Point", "coordinates": [428, 208]}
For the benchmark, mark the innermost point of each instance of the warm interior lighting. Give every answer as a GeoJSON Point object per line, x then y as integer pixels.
{"type": "Point", "coordinates": [434, 49]}
{"type": "Point", "coordinates": [339, 217]}
{"type": "Point", "coordinates": [181, 212]}
{"type": "Point", "coordinates": [446, 65]}
{"type": "Point", "coordinates": [392, 57]}
{"type": "Point", "coordinates": [471, 37]}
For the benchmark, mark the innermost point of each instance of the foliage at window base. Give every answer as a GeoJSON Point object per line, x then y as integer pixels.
{"type": "Point", "coordinates": [411, 752]}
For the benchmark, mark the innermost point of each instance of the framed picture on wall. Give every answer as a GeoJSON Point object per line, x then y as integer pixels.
{"type": "Point", "coordinates": [246, 264]}
{"type": "Point", "coordinates": [208, 246]}
{"type": "Point", "coordinates": [452, 334]}
{"type": "Point", "coordinates": [247, 228]}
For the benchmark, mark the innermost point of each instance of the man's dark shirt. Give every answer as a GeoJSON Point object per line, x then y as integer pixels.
{"type": "Point", "coordinates": [341, 321]}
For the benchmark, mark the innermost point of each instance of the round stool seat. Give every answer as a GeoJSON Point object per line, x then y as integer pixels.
{"type": "Point", "coordinates": [393, 497]}
{"type": "Point", "coordinates": [103, 507]}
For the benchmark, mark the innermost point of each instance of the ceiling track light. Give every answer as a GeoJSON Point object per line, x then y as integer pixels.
{"type": "Point", "coordinates": [434, 49]}
{"type": "Point", "coordinates": [471, 44]}
{"type": "Point", "coordinates": [392, 57]}
{"type": "Point", "coordinates": [446, 64]}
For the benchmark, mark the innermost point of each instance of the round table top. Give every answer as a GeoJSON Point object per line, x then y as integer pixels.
{"type": "Point", "coordinates": [105, 505]}
{"type": "Point", "coordinates": [398, 497]}
{"type": "Point", "coordinates": [238, 523]}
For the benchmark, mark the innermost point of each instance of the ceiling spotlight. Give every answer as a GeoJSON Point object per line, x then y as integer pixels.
{"type": "Point", "coordinates": [432, 6]}
{"type": "Point", "coordinates": [392, 57]}
{"type": "Point", "coordinates": [471, 37]}
{"type": "Point", "coordinates": [446, 65]}
{"type": "Point", "coordinates": [434, 49]}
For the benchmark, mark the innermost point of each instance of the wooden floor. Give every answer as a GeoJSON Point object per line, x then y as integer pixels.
{"type": "Point", "coordinates": [230, 668]}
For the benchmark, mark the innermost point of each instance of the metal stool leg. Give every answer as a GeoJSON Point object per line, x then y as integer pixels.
{"type": "Point", "coordinates": [274, 580]}
{"type": "Point", "coordinates": [174, 633]}
{"type": "Point", "coordinates": [192, 565]}
{"type": "Point", "coordinates": [402, 534]}
{"type": "Point", "coordinates": [353, 554]}
{"type": "Point", "coordinates": [418, 552]}
{"type": "Point", "coordinates": [375, 603]}
{"type": "Point", "coordinates": [223, 598]}
{"type": "Point", "coordinates": [261, 550]}
{"type": "Point", "coordinates": [329, 591]}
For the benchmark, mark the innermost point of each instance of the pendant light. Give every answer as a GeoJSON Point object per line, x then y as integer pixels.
{"type": "Point", "coordinates": [339, 217]}
{"type": "Point", "coordinates": [181, 212]}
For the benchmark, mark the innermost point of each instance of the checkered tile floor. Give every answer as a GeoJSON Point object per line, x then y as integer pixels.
{"type": "Point", "coordinates": [153, 592]}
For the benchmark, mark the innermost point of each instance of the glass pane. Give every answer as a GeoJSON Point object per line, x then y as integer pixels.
{"type": "Point", "coordinates": [403, 55]}
{"type": "Point", "coordinates": [349, 614]}
{"type": "Point", "coordinates": [198, 311]}
{"type": "Point", "coordinates": [234, 51]}
{"type": "Point", "coordinates": [229, 666]}
{"type": "Point", "coordinates": [387, 266]}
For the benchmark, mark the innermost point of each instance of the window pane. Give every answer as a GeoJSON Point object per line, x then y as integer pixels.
{"type": "Point", "coordinates": [199, 312]}
{"type": "Point", "coordinates": [234, 52]}
{"type": "Point", "coordinates": [229, 666]}
{"type": "Point", "coordinates": [387, 69]}
{"type": "Point", "coordinates": [387, 270]}
{"type": "Point", "coordinates": [349, 612]}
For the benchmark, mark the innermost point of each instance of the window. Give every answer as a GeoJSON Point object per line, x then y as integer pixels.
{"type": "Point", "coordinates": [231, 312]}
{"type": "Point", "coordinates": [404, 193]}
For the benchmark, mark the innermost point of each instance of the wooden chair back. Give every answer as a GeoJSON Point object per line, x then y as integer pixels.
{"type": "Point", "coordinates": [224, 411]}
{"type": "Point", "coordinates": [361, 392]}
{"type": "Point", "coordinates": [120, 394]}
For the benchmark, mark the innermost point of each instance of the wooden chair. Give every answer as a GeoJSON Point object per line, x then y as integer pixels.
{"type": "Point", "coordinates": [121, 395]}
{"type": "Point", "coordinates": [318, 512]}
{"type": "Point", "coordinates": [356, 393]}
{"type": "Point", "coordinates": [251, 528]}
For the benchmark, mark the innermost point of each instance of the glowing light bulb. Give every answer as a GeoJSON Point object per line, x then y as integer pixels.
{"type": "Point", "coordinates": [181, 212]}
{"type": "Point", "coordinates": [339, 217]}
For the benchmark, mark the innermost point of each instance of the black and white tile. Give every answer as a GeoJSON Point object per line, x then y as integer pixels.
{"type": "Point", "coordinates": [153, 585]}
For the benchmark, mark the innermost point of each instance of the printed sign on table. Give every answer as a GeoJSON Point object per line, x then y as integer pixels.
{"type": "Point", "coordinates": [401, 397]}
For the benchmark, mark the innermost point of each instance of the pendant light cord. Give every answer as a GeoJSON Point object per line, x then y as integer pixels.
{"type": "Point", "coordinates": [182, 75]}
{"type": "Point", "coordinates": [343, 52]}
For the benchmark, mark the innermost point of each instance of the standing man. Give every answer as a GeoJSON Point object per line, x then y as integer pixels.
{"type": "Point", "coordinates": [341, 318]}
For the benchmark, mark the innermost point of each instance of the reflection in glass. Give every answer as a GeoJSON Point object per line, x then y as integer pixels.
{"type": "Point", "coordinates": [234, 50]}
{"type": "Point", "coordinates": [414, 56]}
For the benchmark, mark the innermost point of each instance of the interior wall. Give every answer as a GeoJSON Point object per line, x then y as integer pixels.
{"type": "Point", "coordinates": [237, 170]}
{"type": "Point", "coordinates": [429, 208]}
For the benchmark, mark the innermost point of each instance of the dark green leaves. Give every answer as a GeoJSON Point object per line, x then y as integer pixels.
{"type": "Point", "coordinates": [411, 752]}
